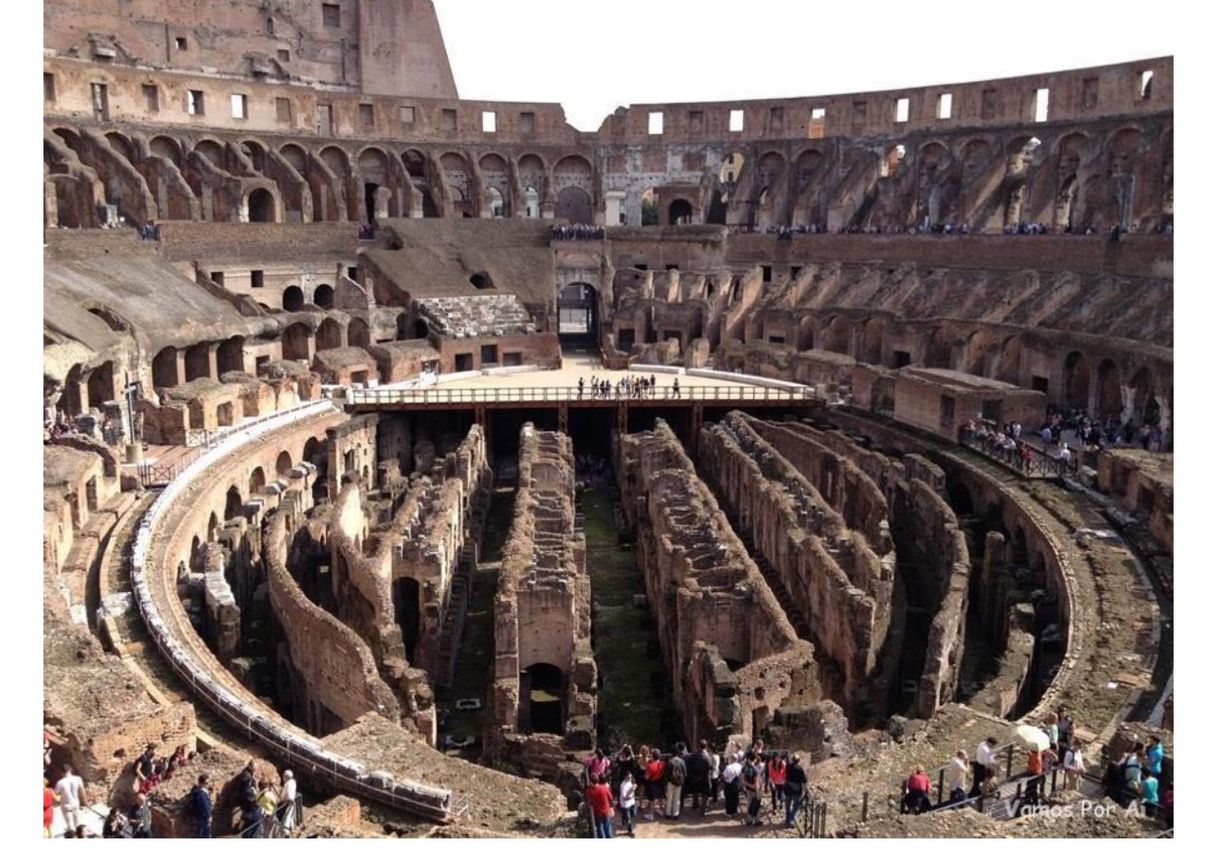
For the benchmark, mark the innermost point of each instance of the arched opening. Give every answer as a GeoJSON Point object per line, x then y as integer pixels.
{"type": "Point", "coordinates": [1108, 400]}
{"type": "Point", "coordinates": [893, 157]}
{"type": "Point", "coordinates": [165, 368]}
{"type": "Point", "coordinates": [296, 342]}
{"type": "Point", "coordinates": [807, 333]}
{"type": "Point", "coordinates": [578, 315]}
{"type": "Point", "coordinates": [406, 613]}
{"type": "Point", "coordinates": [1078, 381]}
{"type": "Point", "coordinates": [680, 211]}
{"type": "Point", "coordinates": [323, 296]}
{"type": "Point", "coordinates": [257, 481]}
{"type": "Point", "coordinates": [101, 385]}
{"type": "Point", "coordinates": [532, 203]}
{"type": "Point", "coordinates": [873, 342]}
{"type": "Point", "coordinates": [211, 151]}
{"type": "Point", "coordinates": [542, 699]}
{"type": "Point", "coordinates": [293, 299]}
{"type": "Point", "coordinates": [357, 334]}
{"type": "Point", "coordinates": [283, 465]}
{"type": "Point", "coordinates": [575, 205]}
{"type": "Point", "coordinates": [481, 281]}
{"type": "Point", "coordinates": [1007, 368]}
{"type": "Point", "coordinates": [232, 503]}
{"type": "Point", "coordinates": [837, 335]}
{"type": "Point", "coordinates": [974, 355]}
{"type": "Point", "coordinates": [329, 335]}
{"type": "Point", "coordinates": [213, 524]}
{"type": "Point", "coordinates": [231, 355]}
{"type": "Point", "coordinates": [261, 207]}
{"type": "Point", "coordinates": [198, 361]}
{"type": "Point", "coordinates": [256, 154]}
{"type": "Point", "coordinates": [498, 207]}
{"type": "Point", "coordinates": [1145, 406]}
{"type": "Point", "coordinates": [938, 351]}
{"type": "Point", "coordinates": [1063, 211]}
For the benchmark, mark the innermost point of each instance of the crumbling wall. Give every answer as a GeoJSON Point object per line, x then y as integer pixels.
{"type": "Point", "coordinates": [841, 586]}
{"type": "Point", "coordinates": [543, 606]}
{"type": "Point", "coordinates": [734, 656]}
{"type": "Point", "coordinates": [325, 670]}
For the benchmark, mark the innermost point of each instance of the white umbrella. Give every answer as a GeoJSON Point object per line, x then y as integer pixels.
{"type": "Point", "coordinates": [1032, 738]}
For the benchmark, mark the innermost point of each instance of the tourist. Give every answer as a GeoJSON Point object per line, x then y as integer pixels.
{"type": "Point", "coordinates": [626, 801]}
{"type": "Point", "coordinates": [1035, 772]}
{"type": "Point", "coordinates": [71, 793]}
{"type": "Point", "coordinates": [600, 806]}
{"type": "Point", "coordinates": [654, 789]}
{"type": "Point", "coordinates": [917, 792]}
{"type": "Point", "coordinates": [288, 820]}
{"type": "Point", "coordinates": [1154, 756]}
{"type": "Point", "coordinates": [715, 773]}
{"type": "Point", "coordinates": [751, 778]}
{"type": "Point", "coordinates": [1049, 726]}
{"type": "Point", "coordinates": [796, 787]}
{"type": "Point", "coordinates": [623, 764]}
{"type": "Point", "coordinates": [115, 826]}
{"type": "Point", "coordinates": [200, 808]}
{"type": "Point", "coordinates": [984, 760]}
{"type": "Point", "coordinates": [1065, 732]}
{"type": "Point", "coordinates": [676, 387]}
{"type": "Point", "coordinates": [48, 808]}
{"type": "Point", "coordinates": [267, 802]}
{"type": "Point", "coordinates": [676, 774]}
{"type": "Point", "coordinates": [1130, 774]}
{"type": "Point", "coordinates": [776, 771]}
{"type": "Point", "coordinates": [957, 775]}
{"type": "Point", "coordinates": [1150, 792]}
{"type": "Point", "coordinates": [145, 769]}
{"type": "Point", "coordinates": [697, 781]}
{"type": "Point", "coordinates": [140, 818]}
{"type": "Point", "coordinates": [731, 784]}
{"type": "Point", "coordinates": [598, 764]}
{"type": "Point", "coordinates": [1073, 763]}
{"type": "Point", "coordinates": [251, 813]}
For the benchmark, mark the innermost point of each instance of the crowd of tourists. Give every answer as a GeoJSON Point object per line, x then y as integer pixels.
{"type": "Point", "coordinates": [1133, 779]}
{"type": "Point", "coordinates": [577, 232]}
{"type": "Point", "coordinates": [150, 231]}
{"type": "Point", "coordinates": [265, 810]}
{"type": "Point", "coordinates": [653, 785]}
{"type": "Point", "coordinates": [947, 228]}
{"type": "Point", "coordinates": [626, 387]}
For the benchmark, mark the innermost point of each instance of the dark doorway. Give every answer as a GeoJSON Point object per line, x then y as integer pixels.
{"type": "Point", "coordinates": [542, 694]}
{"type": "Point", "coordinates": [406, 613]}
{"type": "Point", "coordinates": [293, 299]}
{"type": "Point", "coordinates": [465, 362]}
{"type": "Point", "coordinates": [578, 315]}
{"type": "Point", "coordinates": [262, 207]}
{"type": "Point", "coordinates": [370, 202]}
{"type": "Point", "coordinates": [680, 212]}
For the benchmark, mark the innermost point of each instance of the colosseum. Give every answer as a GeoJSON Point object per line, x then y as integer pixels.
{"type": "Point", "coordinates": [421, 466]}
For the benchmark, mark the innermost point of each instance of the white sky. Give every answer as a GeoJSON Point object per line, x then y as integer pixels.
{"type": "Point", "coordinates": [595, 56]}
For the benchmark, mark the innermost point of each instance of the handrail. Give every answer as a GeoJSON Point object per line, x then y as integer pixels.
{"type": "Point", "coordinates": [573, 394]}
{"type": "Point", "coordinates": [286, 742]}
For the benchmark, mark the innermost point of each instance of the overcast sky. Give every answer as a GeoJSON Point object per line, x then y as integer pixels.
{"type": "Point", "coordinates": [595, 56]}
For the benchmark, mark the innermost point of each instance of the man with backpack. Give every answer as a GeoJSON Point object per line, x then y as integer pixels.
{"type": "Point", "coordinates": [676, 773]}
{"type": "Point", "coordinates": [797, 785]}
{"type": "Point", "coordinates": [751, 779]}
{"type": "Point", "coordinates": [200, 808]}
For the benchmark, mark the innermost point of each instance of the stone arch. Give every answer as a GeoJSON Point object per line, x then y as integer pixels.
{"type": "Point", "coordinates": [837, 335]}
{"type": "Point", "coordinates": [230, 356]}
{"type": "Point", "coordinates": [123, 145]}
{"type": "Point", "coordinates": [373, 165]}
{"type": "Point", "coordinates": [257, 481]}
{"type": "Point", "coordinates": [458, 177]}
{"type": "Point", "coordinates": [296, 341]}
{"type": "Point", "coordinates": [198, 361]}
{"type": "Point", "coordinates": [415, 163]}
{"type": "Point", "coordinates": [1007, 367]}
{"type": "Point", "coordinates": [806, 336]}
{"type": "Point", "coordinates": [1144, 404]}
{"type": "Point", "coordinates": [938, 350]}
{"type": "Point", "coordinates": [974, 354]}
{"type": "Point", "coordinates": [295, 156]}
{"type": "Point", "coordinates": [496, 181]}
{"type": "Point", "coordinates": [167, 147]}
{"type": "Point", "coordinates": [165, 368]}
{"type": "Point", "coordinates": [284, 465]}
{"type": "Point", "coordinates": [680, 211]}
{"type": "Point", "coordinates": [233, 503]}
{"type": "Point", "coordinates": [256, 153]}
{"type": "Point", "coordinates": [1076, 385]}
{"type": "Point", "coordinates": [211, 150]}
{"type": "Point", "coordinates": [323, 296]}
{"type": "Point", "coordinates": [100, 385]}
{"type": "Point", "coordinates": [544, 714]}
{"type": "Point", "coordinates": [1108, 392]}
{"type": "Point", "coordinates": [336, 160]}
{"type": "Point", "coordinates": [329, 335]}
{"type": "Point", "coordinates": [357, 334]}
{"type": "Point", "coordinates": [873, 342]}
{"type": "Point", "coordinates": [293, 298]}
{"type": "Point", "coordinates": [261, 206]}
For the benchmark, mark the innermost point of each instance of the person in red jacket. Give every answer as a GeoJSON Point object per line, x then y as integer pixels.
{"type": "Point", "coordinates": [48, 808]}
{"type": "Point", "coordinates": [917, 792]}
{"type": "Point", "coordinates": [600, 803]}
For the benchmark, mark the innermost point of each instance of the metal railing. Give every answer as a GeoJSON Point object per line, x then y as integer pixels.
{"type": "Point", "coordinates": [272, 826]}
{"type": "Point", "coordinates": [279, 737]}
{"type": "Point", "coordinates": [572, 394]}
{"type": "Point", "coordinates": [1038, 464]}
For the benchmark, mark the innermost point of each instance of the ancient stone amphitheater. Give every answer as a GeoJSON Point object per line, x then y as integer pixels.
{"type": "Point", "coordinates": [423, 446]}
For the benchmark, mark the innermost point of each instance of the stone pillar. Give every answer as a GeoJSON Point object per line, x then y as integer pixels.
{"type": "Point", "coordinates": [180, 365]}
